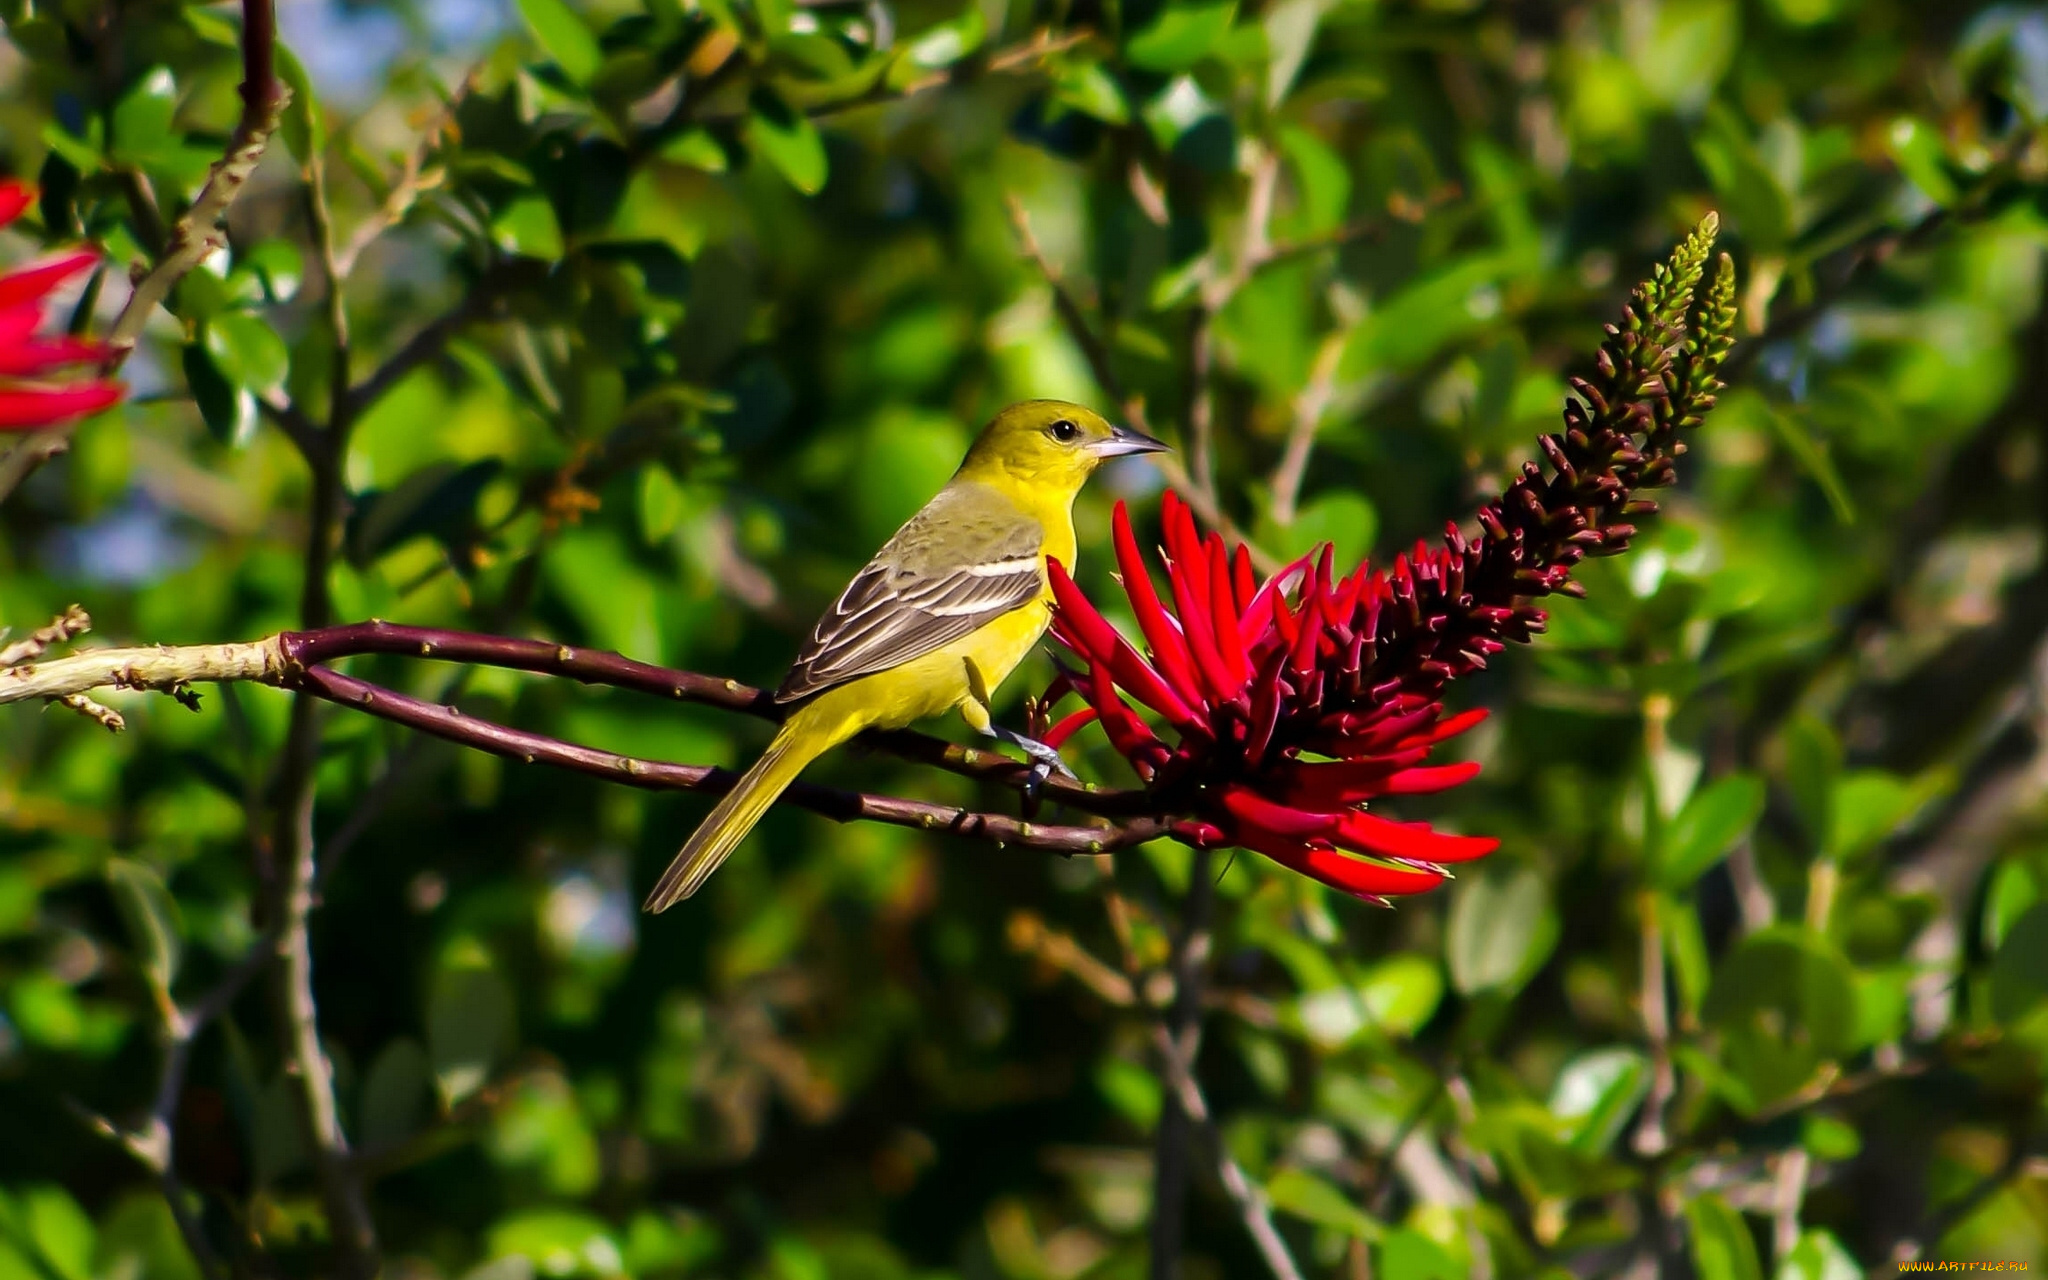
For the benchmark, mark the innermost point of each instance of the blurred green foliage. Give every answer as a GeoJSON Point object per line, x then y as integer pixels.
{"type": "Point", "coordinates": [713, 295]}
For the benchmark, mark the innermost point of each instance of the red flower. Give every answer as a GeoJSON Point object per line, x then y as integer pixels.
{"type": "Point", "coordinates": [33, 392]}
{"type": "Point", "coordinates": [1298, 702]}
{"type": "Point", "coordinates": [1282, 739]}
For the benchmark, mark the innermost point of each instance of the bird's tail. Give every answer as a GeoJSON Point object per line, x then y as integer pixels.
{"type": "Point", "coordinates": [735, 815]}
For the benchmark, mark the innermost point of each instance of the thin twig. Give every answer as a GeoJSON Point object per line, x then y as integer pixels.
{"type": "Point", "coordinates": [1309, 407]}
{"type": "Point", "coordinates": [1029, 933]}
{"type": "Point", "coordinates": [477, 302]}
{"type": "Point", "coordinates": [413, 178]}
{"type": "Point", "coordinates": [66, 627]}
{"type": "Point", "coordinates": [1176, 1063]}
{"type": "Point", "coordinates": [153, 1142]}
{"type": "Point", "coordinates": [1252, 1207]}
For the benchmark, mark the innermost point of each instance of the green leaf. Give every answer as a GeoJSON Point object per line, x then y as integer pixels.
{"type": "Point", "coordinates": [1871, 805]}
{"type": "Point", "coordinates": [1713, 819]}
{"type": "Point", "coordinates": [248, 352]}
{"type": "Point", "coordinates": [1180, 35]}
{"type": "Point", "coordinates": [696, 148]}
{"type": "Point", "coordinates": [662, 503]}
{"type": "Point", "coordinates": [1132, 1090]}
{"type": "Point", "coordinates": [1090, 88]}
{"type": "Point", "coordinates": [304, 130]}
{"type": "Point", "coordinates": [142, 118]}
{"type": "Point", "coordinates": [563, 35]}
{"type": "Point", "coordinates": [1917, 149]}
{"type": "Point", "coordinates": [527, 226]}
{"type": "Point", "coordinates": [1290, 31]}
{"type": "Point", "coordinates": [558, 1242]}
{"type": "Point", "coordinates": [1722, 1248]}
{"type": "Point", "coordinates": [44, 1227]}
{"type": "Point", "coordinates": [1321, 178]}
{"type": "Point", "coordinates": [1813, 763]}
{"type": "Point", "coordinates": [470, 1017]}
{"type": "Point", "coordinates": [1785, 1001]}
{"type": "Point", "coordinates": [1305, 1196]}
{"type": "Point", "coordinates": [152, 918]}
{"type": "Point", "coordinates": [1501, 930]}
{"type": "Point", "coordinates": [1812, 455]}
{"type": "Point", "coordinates": [1341, 517]}
{"type": "Point", "coordinates": [2013, 889]}
{"type": "Point", "coordinates": [1819, 1256]}
{"type": "Point", "coordinates": [229, 410]}
{"type": "Point", "coordinates": [1400, 993]}
{"type": "Point", "coordinates": [948, 42]}
{"type": "Point", "coordinates": [1598, 1091]}
{"type": "Point", "coordinates": [395, 1093]}
{"type": "Point", "coordinates": [789, 141]}
{"type": "Point", "coordinates": [1828, 1138]}
{"type": "Point", "coordinates": [1408, 1254]}
{"type": "Point", "coordinates": [278, 265]}
{"type": "Point", "coordinates": [2019, 972]}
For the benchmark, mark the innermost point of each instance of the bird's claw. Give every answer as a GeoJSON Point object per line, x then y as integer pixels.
{"type": "Point", "coordinates": [1045, 761]}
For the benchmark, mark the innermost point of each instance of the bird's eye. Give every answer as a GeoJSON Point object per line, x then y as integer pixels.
{"type": "Point", "coordinates": [1064, 430]}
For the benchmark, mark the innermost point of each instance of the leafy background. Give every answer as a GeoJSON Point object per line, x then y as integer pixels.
{"type": "Point", "coordinates": [713, 294]}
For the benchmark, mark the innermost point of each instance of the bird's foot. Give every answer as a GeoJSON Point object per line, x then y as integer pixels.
{"type": "Point", "coordinates": [1045, 760]}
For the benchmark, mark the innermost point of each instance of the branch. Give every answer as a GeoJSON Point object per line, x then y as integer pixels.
{"type": "Point", "coordinates": [432, 339]}
{"type": "Point", "coordinates": [1309, 407]}
{"type": "Point", "coordinates": [153, 1143]}
{"type": "Point", "coordinates": [295, 660]}
{"type": "Point", "coordinates": [1178, 1041]}
{"type": "Point", "coordinates": [198, 234]}
{"type": "Point", "coordinates": [67, 626]}
{"type": "Point", "coordinates": [413, 178]}
{"type": "Point", "coordinates": [1176, 1059]}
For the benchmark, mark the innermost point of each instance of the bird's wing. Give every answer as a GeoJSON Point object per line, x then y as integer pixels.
{"type": "Point", "coordinates": [966, 559]}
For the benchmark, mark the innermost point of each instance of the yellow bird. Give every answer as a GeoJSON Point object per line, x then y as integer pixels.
{"type": "Point", "coordinates": [945, 610]}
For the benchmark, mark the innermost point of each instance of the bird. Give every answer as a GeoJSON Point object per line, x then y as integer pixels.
{"type": "Point", "coordinates": [943, 613]}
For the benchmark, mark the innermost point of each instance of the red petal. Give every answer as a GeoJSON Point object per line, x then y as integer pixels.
{"type": "Point", "coordinates": [1359, 877]}
{"type": "Point", "coordinates": [1341, 784]}
{"type": "Point", "coordinates": [1367, 833]}
{"type": "Point", "coordinates": [1201, 638]}
{"type": "Point", "coordinates": [1169, 649]}
{"type": "Point", "coordinates": [1130, 735]}
{"type": "Point", "coordinates": [15, 198]}
{"type": "Point", "coordinates": [1223, 609]}
{"type": "Point", "coordinates": [1102, 642]}
{"type": "Point", "coordinates": [1447, 729]}
{"type": "Point", "coordinates": [1269, 605]}
{"type": "Point", "coordinates": [1245, 585]}
{"type": "Point", "coordinates": [1184, 544]}
{"type": "Point", "coordinates": [32, 282]}
{"type": "Point", "coordinates": [1423, 782]}
{"type": "Point", "coordinates": [27, 359]}
{"type": "Point", "coordinates": [24, 407]}
{"type": "Point", "coordinates": [1056, 737]}
{"type": "Point", "coordinates": [1254, 811]}
{"type": "Point", "coordinates": [1265, 711]}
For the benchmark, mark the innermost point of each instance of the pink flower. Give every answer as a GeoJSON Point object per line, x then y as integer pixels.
{"type": "Point", "coordinates": [34, 389]}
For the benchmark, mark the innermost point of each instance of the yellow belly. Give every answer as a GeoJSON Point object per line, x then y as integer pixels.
{"type": "Point", "coordinates": [931, 685]}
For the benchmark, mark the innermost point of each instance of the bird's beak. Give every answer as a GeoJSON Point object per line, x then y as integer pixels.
{"type": "Point", "coordinates": [1123, 440]}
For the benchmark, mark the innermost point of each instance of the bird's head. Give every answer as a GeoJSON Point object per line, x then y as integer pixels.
{"type": "Point", "coordinates": [1052, 443]}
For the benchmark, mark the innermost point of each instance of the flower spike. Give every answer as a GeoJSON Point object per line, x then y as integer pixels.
{"type": "Point", "coordinates": [1300, 703]}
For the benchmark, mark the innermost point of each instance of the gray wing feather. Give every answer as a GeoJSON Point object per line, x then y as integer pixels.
{"type": "Point", "coordinates": [912, 598]}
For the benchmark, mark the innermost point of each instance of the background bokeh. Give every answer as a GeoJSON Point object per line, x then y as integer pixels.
{"type": "Point", "coordinates": [715, 293]}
